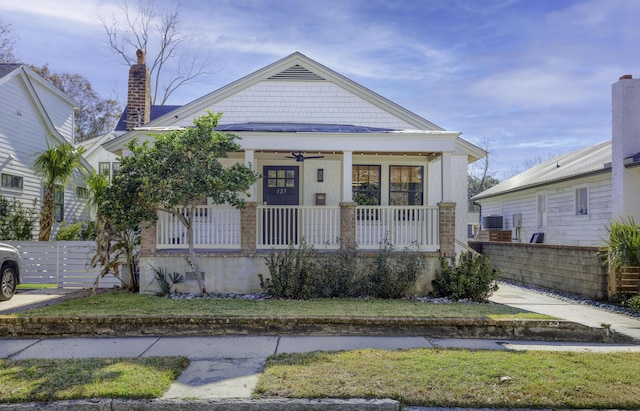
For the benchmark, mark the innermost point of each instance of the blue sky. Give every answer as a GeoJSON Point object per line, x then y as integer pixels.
{"type": "Point", "coordinates": [532, 78]}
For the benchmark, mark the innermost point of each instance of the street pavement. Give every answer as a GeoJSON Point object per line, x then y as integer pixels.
{"type": "Point", "coordinates": [228, 367]}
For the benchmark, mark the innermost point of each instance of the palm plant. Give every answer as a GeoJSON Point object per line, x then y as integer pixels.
{"type": "Point", "coordinates": [56, 165]}
{"type": "Point", "coordinates": [623, 243]}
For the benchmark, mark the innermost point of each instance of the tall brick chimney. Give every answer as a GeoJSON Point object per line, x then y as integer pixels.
{"type": "Point", "coordinates": [139, 94]}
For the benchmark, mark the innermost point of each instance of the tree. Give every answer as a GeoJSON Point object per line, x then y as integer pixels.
{"type": "Point", "coordinates": [113, 241]}
{"type": "Point", "coordinates": [95, 115]}
{"type": "Point", "coordinates": [7, 43]}
{"type": "Point", "coordinates": [179, 169]}
{"type": "Point", "coordinates": [56, 165]}
{"type": "Point", "coordinates": [479, 178]}
{"type": "Point", "coordinates": [159, 36]}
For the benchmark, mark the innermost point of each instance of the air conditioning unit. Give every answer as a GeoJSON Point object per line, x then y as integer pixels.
{"type": "Point", "coordinates": [517, 220]}
{"type": "Point", "coordinates": [492, 222]}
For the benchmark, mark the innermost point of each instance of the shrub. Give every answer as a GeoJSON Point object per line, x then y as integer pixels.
{"type": "Point", "coordinates": [16, 222]}
{"type": "Point", "coordinates": [291, 272]}
{"type": "Point", "coordinates": [337, 274]}
{"type": "Point", "coordinates": [394, 274]}
{"type": "Point", "coordinates": [472, 277]}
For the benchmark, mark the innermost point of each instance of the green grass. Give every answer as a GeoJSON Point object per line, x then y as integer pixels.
{"type": "Point", "coordinates": [122, 304]}
{"type": "Point", "coordinates": [460, 378]}
{"type": "Point", "coordinates": [35, 286]}
{"type": "Point", "coordinates": [53, 380]}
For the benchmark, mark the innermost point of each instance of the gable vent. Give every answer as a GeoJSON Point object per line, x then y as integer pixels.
{"type": "Point", "coordinates": [296, 72]}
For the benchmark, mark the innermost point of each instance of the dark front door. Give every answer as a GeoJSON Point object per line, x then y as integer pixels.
{"type": "Point", "coordinates": [280, 188]}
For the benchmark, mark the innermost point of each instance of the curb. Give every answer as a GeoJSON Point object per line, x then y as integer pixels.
{"type": "Point", "coordinates": [535, 330]}
{"type": "Point", "coordinates": [209, 405]}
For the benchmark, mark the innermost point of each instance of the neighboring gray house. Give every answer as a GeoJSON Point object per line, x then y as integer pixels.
{"type": "Point", "coordinates": [32, 112]}
{"type": "Point", "coordinates": [570, 199]}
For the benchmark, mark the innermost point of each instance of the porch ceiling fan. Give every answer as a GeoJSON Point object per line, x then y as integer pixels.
{"type": "Point", "coordinates": [301, 157]}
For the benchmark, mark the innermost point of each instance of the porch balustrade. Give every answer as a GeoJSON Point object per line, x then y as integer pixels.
{"type": "Point", "coordinates": [214, 227]}
{"type": "Point", "coordinates": [399, 225]}
{"type": "Point", "coordinates": [218, 227]}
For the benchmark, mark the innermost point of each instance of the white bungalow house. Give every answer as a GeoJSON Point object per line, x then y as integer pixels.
{"type": "Point", "coordinates": [339, 163]}
{"type": "Point", "coordinates": [571, 199]}
{"type": "Point", "coordinates": [32, 112]}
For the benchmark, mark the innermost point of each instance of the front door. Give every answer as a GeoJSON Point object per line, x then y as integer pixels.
{"type": "Point", "coordinates": [280, 188]}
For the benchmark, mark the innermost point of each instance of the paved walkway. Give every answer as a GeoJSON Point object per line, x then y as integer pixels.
{"type": "Point", "coordinates": [228, 367]}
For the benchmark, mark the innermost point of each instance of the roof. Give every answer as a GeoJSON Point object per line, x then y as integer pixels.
{"type": "Point", "coordinates": [156, 111]}
{"type": "Point", "coordinates": [579, 163]}
{"type": "Point", "coordinates": [7, 68]}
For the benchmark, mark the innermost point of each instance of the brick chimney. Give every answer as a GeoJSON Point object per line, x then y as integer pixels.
{"type": "Point", "coordinates": [139, 94]}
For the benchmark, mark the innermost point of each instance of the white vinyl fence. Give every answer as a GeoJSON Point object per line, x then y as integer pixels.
{"type": "Point", "coordinates": [64, 263]}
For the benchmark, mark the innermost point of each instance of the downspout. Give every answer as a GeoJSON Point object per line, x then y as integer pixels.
{"type": "Point", "coordinates": [441, 178]}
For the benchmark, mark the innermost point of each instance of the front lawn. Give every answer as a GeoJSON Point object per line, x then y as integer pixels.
{"type": "Point", "coordinates": [122, 304]}
{"type": "Point", "coordinates": [460, 378]}
{"type": "Point", "coordinates": [55, 380]}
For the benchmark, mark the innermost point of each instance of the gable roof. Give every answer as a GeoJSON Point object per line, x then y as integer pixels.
{"type": "Point", "coordinates": [579, 163]}
{"type": "Point", "coordinates": [295, 67]}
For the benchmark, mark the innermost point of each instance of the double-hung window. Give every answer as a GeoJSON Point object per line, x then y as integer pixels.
{"type": "Point", "coordinates": [59, 200]}
{"type": "Point", "coordinates": [365, 184]}
{"type": "Point", "coordinates": [406, 185]}
{"type": "Point", "coordinates": [582, 201]}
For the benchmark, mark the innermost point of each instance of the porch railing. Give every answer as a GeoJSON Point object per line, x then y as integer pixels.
{"type": "Point", "coordinates": [278, 226]}
{"type": "Point", "coordinates": [214, 227]}
{"type": "Point", "coordinates": [399, 225]}
{"type": "Point", "coordinates": [219, 227]}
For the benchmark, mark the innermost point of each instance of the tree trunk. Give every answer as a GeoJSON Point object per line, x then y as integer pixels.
{"type": "Point", "coordinates": [47, 213]}
{"type": "Point", "coordinates": [195, 265]}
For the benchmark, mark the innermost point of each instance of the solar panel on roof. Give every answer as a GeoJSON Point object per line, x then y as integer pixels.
{"type": "Point", "coordinates": [302, 128]}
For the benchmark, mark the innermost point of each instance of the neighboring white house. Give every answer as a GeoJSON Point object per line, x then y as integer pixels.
{"type": "Point", "coordinates": [332, 153]}
{"type": "Point", "coordinates": [572, 198]}
{"type": "Point", "coordinates": [567, 198]}
{"type": "Point", "coordinates": [32, 112]}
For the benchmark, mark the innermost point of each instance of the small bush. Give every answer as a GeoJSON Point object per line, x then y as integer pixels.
{"type": "Point", "coordinates": [393, 274]}
{"type": "Point", "coordinates": [471, 278]}
{"type": "Point", "coordinates": [166, 280]}
{"type": "Point", "coordinates": [291, 272]}
{"type": "Point", "coordinates": [16, 222]}
{"type": "Point", "coordinates": [336, 273]}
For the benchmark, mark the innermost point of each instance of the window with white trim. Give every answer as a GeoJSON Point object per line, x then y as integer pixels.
{"type": "Point", "coordinates": [542, 209]}
{"type": "Point", "coordinates": [82, 193]}
{"type": "Point", "coordinates": [582, 201]}
{"type": "Point", "coordinates": [59, 199]}
{"type": "Point", "coordinates": [12, 181]}
{"type": "Point", "coordinates": [104, 169]}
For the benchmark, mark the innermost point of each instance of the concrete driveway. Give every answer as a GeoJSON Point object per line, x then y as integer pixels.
{"type": "Point", "coordinates": [27, 299]}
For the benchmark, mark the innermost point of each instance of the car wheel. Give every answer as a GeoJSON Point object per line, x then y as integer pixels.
{"type": "Point", "coordinates": [8, 282]}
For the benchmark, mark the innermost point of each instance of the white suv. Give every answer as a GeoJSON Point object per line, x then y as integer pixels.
{"type": "Point", "coordinates": [10, 271]}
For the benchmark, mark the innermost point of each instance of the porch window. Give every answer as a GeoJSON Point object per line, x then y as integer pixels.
{"type": "Point", "coordinates": [582, 201]}
{"type": "Point", "coordinates": [59, 200]}
{"type": "Point", "coordinates": [365, 184]}
{"type": "Point", "coordinates": [406, 185]}
{"type": "Point", "coordinates": [11, 181]}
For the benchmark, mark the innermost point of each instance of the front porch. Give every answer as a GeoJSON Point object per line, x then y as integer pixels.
{"type": "Point", "coordinates": [232, 243]}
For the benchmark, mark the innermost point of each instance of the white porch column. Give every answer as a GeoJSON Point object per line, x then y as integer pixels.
{"type": "Point", "coordinates": [446, 177]}
{"type": "Point", "coordinates": [249, 161]}
{"type": "Point", "coordinates": [347, 165]}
